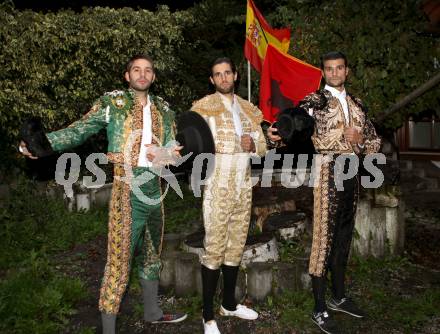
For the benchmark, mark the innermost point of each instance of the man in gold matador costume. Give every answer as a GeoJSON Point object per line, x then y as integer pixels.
{"type": "Point", "coordinates": [341, 127]}
{"type": "Point", "coordinates": [134, 120]}
{"type": "Point", "coordinates": [235, 126]}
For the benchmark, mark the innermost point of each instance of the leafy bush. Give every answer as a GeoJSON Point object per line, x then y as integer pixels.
{"type": "Point", "coordinates": [34, 297]}
{"type": "Point", "coordinates": [54, 65]}
{"type": "Point", "coordinates": [36, 300]}
{"type": "Point", "coordinates": [33, 221]}
{"type": "Point", "coordinates": [179, 213]}
{"type": "Point", "coordinates": [387, 57]}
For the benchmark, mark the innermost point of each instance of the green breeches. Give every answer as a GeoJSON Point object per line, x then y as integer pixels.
{"type": "Point", "coordinates": [135, 232]}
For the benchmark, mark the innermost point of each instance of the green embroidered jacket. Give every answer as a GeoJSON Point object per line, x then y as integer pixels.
{"type": "Point", "coordinates": [121, 114]}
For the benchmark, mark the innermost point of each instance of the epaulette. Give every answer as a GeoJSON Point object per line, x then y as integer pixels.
{"type": "Point", "coordinates": [118, 98]}
{"type": "Point", "coordinates": [115, 93]}
{"type": "Point", "coordinates": [161, 102]}
{"type": "Point", "coordinates": [209, 105]}
{"type": "Point", "coordinates": [358, 103]}
{"type": "Point", "coordinates": [316, 100]}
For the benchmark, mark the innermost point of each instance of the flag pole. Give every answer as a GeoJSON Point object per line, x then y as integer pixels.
{"type": "Point", "coordinates": [249, 80]}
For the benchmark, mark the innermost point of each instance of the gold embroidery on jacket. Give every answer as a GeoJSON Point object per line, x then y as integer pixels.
{"type": "Point", "coordinates": [117, 268]}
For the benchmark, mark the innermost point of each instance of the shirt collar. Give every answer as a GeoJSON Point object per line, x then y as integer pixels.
{"type": "Point", "coordinates": [227, 101]}
{"type": "Point", "coordinates": [148, 105]}
{"type": "Point", "coordinates": [336, 93]}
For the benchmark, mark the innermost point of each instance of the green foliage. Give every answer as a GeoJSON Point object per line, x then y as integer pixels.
{"type": "Point", "coordinates": [387, 57]}
{"type": "Point", "coordinates": [294, 308]}
{"type": "Point", "coordinates": [387, 292]}
{"type": "Point", "coordinates": [54, 65]}
{"type": "Point", "coordinates": [179, 212]}
{"type": "Point", "coordinates": [290, 249]}
{"type": "Point", "coordinates": [193, 305]}
{"type": "Point", "coordinates": [88, 330]}
{"type": "Point", "coordinates": [31, 220]}
{"type": "Point", "coordinates": [217, 30]}
{"type": "Point", "coordinates": [394, 293]}
{"type": "Point", "coordinates": [34, 299]}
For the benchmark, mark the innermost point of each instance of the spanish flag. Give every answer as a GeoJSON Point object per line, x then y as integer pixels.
{"type": "Point", "coordinates": [259, 34]}
{"type": "Point", "coordinates": [285, 81]}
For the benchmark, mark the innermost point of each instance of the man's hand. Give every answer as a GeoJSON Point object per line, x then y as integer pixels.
{"type": "Point", "coordinates": [163, 155]}
{"type": "Point", "coordinates": [247, 143]}
{"type": "Point", "coordinates": [353, 136]}
{"type": "Point", "coordinates": [23, 150]}
{"type": "Point", "coordinates": [270, 134]}
{"type": "Point", "coordinates": [151, 152]}
{"type": "Point", "coordinates": [176, 151]}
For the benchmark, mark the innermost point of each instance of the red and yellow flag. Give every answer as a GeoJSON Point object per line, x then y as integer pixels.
{"type": "Point", "coordinates": [285, 81]}
{"type": "Point", "coordinates": [259, 34]}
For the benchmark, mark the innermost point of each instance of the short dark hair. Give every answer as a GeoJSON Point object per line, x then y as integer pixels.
{"type": "Point", "coordinates": [222, 60]}
{"type": "Point", "coordinates": [136, 57]}
{"type": "Point", "coordinates": [332, 55]}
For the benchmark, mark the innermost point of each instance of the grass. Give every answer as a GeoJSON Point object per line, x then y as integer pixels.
{"type": "Point", "coordinates": [397, 296]}
{"type": "Point", "coordinates": [31, 220]}
{"type": "Point", "coordinates": [395, 292]}
{"type": "Point", "coordinates": [294, 308]}
{"type": "Point", "coordinates": [290, 250]}
{"type": "Point", "coordinates": [35, 299]}
{"type": "Point", "coordinates": [179, 212]}
{"type": "Point", "coordinates": [34, 296]}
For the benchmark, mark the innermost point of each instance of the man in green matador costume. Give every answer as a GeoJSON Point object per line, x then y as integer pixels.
{"type": "Point", "coordinates": [134, 121]}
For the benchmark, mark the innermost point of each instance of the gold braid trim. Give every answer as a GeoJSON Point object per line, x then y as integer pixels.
{"type": "Point", "coordinates": [252, 113]}
{"type": "Point", "coordinates": [117, 268]}
{"type": "Point", "coordinates": [115, 157]}
{"type": "Point", "coordinates": [320, 241]}
{"type": "Point", "coordinates": [212, 105]}
{"type": "Point", "coordinates": [156, 125]}
{"type": "Point", "coordinates": [162, 209]}
{"type": "Point", "coordinates": [137, 125]}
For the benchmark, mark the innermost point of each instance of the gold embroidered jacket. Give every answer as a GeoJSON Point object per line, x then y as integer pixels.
{"type": "Point", "coordinates": [121, 114]}
{"type": "Point", "coordinates": [221, 122]}
{"type": "Point", "coordinates": [330, 122]}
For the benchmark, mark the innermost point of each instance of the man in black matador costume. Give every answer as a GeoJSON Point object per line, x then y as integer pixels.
{"type": "Point", "coordinates": [341, 128]}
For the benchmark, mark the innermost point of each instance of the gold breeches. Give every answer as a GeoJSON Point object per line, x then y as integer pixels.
{"type": "Point", "coordinates": [227, 200]}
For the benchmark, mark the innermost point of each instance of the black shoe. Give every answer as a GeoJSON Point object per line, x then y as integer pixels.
{"type": "Point", "coordinates": [325, 322]}
{"type": "Point", "coordinates": [170, 318]}
{"type": "Point", "coordinates": [345, 305]}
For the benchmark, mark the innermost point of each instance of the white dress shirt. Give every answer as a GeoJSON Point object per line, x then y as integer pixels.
{"type": "Point", "coordinates": [342, 97]}
{"type": "Point", "coordinates": [235, 109]}
{"type": "Point", "coordinates": [147, 135]}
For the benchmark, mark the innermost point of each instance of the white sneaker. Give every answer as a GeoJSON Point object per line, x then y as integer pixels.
{"type": "Point", "coordinates": [241, 311]}
{"type": "Point", "coordinates": [210, 327]}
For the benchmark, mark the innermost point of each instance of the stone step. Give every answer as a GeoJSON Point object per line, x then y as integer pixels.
{"type": "Point", "coordinates": [412, 182]}
{"type": "Point", "coordinates": [432, 183]}
{"type": "Point", "coordinates": [434, 192]}
{"type": "Point", "coordinates": [431, 168]}
{"type": "Point", "coordinates": [405, 165]}
{"type": "Point", "coordinates": [415, 171]}
{"type": "Point", "coordinates": [428, 198]}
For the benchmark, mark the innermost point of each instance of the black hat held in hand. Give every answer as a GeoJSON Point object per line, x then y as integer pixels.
{"type": "Point", "coordinates": [32, 133]}
{"type": "Point", "coordinates": [294, 124]}
{"type": "Point", "coordinates": [194, 134]}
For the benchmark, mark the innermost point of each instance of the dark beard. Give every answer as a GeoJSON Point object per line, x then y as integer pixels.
{"type": "Point", "coordinates": [225, 91]}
